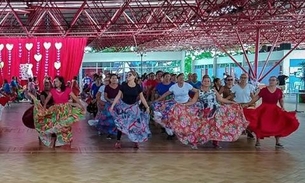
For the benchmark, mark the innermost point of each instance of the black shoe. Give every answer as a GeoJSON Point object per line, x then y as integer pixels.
{"type": "Point", "coordinates": [163, 130]}
{"type": "Point", "coordinates": [170, 137]}
{"type": "Point", "coordinates": [250, 136]}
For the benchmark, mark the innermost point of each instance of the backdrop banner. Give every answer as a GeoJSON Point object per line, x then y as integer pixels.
{"type": "Point", "coordinates": [28, 57]}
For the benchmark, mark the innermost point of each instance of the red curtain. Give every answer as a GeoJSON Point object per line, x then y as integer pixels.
{"type": "Point", "coordinates": [46, 56]}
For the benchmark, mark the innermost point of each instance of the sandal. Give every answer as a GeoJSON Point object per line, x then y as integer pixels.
{"type": "Point", "coordinates": [118, 145]}
{"type": "Point", "coordinates": [136, 146]}
{"type": "Point", "coordinates": [257, 145]}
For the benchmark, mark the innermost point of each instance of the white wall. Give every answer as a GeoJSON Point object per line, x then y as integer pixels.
{"type": "Point", "coordinates": [296, 54]}
{"type": "Point", "coordinates": [276, 55]}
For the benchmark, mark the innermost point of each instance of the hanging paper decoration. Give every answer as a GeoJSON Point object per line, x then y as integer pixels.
{"type": "Point", "coordinates": [47, 45]}
{"type": "Point", "coordinates": [1, 66]}
{"type": "Point", "coordinates": [57, 64]}
{"type": "Point", "coordinates": [29, 46]}
{"type": "Point", "coordinates": [1, 62]}
{"type": "Point", "coordinates": [37, 57]}
{"type": "Point", "coordinates": [19, 50]}
{"type": "Point", "coordinates": [9, 47]}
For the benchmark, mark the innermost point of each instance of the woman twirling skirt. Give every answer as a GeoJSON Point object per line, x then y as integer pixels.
{"type": "Point", "coordinates": [55, 120]}
{"type": "Point", "coordinates": [161, 110]}
{"type": "Point", "coordinates": [194, 125]}
{"type": "Point", "coordinates": [271, 120]}
{"type": "Point", "coordinates": [106, 124]}
{"type": "Point", "coordinates": [133, 122]}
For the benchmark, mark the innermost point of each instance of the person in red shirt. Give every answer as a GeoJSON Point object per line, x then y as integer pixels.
{"type": "Point", "coordinates": [149, 85]}
{"type": "Point", "coordinates": [272, 120]}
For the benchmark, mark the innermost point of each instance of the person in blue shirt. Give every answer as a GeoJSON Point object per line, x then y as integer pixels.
{"type": "Point", "coordinates": [195, 83]}
{"type": "Point", "coordinates": [163, 86]}
{"type": "Point", "coordinates": [15, 87]}
{"type": "Point", "coordinates": [6, 87]}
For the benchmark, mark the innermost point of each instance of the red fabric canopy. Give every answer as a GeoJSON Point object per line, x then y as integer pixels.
{"type": "Point", "coordinates": [45, 56]}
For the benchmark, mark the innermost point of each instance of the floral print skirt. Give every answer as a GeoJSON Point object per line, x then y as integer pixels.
{"type": "Point", "coordinates": [133, 122]}
{"type": "Point", "coordinates": [55, 120]}
{"type": "Point", "coordinates": [160, 114]}
{"type": "Point", "coordinates": [106, 124]}
{"type": "Point", "coordinates": [192, 126]}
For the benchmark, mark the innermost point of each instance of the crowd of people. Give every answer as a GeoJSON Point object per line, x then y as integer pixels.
{"type": "Point", "coordinates": [193, 111]}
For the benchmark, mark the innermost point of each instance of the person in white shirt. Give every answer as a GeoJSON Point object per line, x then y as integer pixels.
{"type": "Point", "coordinates": [243, 93]}
{"type": "Point", "coordinates": [180, 91]}
{"type": "Point", "coordinates": [100, 101]}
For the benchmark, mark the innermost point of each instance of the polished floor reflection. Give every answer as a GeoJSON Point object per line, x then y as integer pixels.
{"type": "Point", "coordinates": [92, 158]}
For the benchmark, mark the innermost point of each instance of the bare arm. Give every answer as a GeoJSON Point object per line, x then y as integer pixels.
{"type": "Point", "coordinates": [106, 97]}
{"type": "Point", "coordinates": [254, 99]}
{"type": "Point", "coordinates": [221, 90]}
{"type": "Point", "coordinates": [281, 101]}
{"type": "Point", "coordinates": [194, 99]}
{"type": "Point", "coordinates": [194, 90]}
{"type": "Point", "coordinates": [116, 99]}
{"type": "Point", "coordinates": [223, 100]}
{"type": "Point", "coordinates": [98, 96]}
{"type": "Point", "coordinates": [77, 100]}
{"type": "Point", "coordinates": [142, 98]}
{"type": "Point", "coordinates": [42, 99]}
{"type": "Point", "coordinates": [164, 96]}
{"type": "Point", "coordinates": [153, 93]}
{"type": "Point", "coordinates": [47, 100]}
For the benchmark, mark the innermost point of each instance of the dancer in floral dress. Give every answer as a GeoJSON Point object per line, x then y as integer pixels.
{"type": "Point", "coordinates": [58, 118]}
{"type": "Point", "coordinates": [127, 115]}
{"type": "Point", "coordinates": [4, 99]}
{"type": "Point", "coordinates": [272, 120]}
{"type": "Point", "coordinates": [106, 124]}
{"type": "Point", "coordinates": [157, 106]}
{"type": "Point", "coordinates": [161, 106]}
{"type": "Point", "coordinates": [204, 119]}
{"type": "Point", "coordinates": [243, 92]}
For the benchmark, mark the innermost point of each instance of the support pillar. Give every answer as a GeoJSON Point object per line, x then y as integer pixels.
{"type": "Point", "coordinates": [215, 67]}
{"type": "Point", "coordinates": [257, 46]}
{"type": "Point", "coordinates": [182, 62]}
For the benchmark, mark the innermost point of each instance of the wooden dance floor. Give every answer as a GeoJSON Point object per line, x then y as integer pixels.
{"type": "Point", "coordinates": [93, 159]}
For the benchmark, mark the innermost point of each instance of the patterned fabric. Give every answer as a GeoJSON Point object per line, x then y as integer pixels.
{"type": "Point", "coordinates": [208, 102]}
{"type": "Point", "coordinates": [55, 120]}
{"type": "Point", "coordinates": [131, 121]}
{"type": "Point", "coordinates": [160, 116]}
{"type": "Point", "coordinates": [106, 124]}
{"type": "Point", "coordinates": [207, 120]}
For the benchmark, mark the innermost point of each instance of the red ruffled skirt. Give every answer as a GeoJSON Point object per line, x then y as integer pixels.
{"type": "Point", "coordinates": [270, 120]}
{"type": "Point", "coordinates": [4, 100]}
